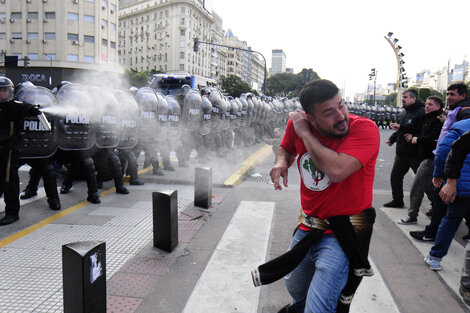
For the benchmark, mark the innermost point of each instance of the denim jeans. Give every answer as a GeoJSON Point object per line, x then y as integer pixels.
{"type": "Point", "coordinates": [316, 283]}
{"type": "Point", "coordinates": [421, 184]}
{"type": "Point", "coordinates": [449, 225]}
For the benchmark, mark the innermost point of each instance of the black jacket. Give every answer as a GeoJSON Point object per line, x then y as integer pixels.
{"type": "Point", "coordinates": [11, 114]}
{"type": "Point", "coordinates": [411, 121]}
{"type": "Point", "coordinates": [456, 156]}
{"type": "Point", "coordinates": [430, 132]}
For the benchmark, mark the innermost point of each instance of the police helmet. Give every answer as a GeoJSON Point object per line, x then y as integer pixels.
{"type": "Point", "coordinates": [6, 89]}
{"type": "Point", "coordinates": [23, 85]}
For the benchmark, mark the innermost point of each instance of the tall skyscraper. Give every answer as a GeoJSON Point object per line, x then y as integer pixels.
{"type": "Point", "coordinates": [278, 62]}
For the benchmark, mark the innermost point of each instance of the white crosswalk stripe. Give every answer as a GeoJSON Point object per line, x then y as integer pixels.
{"type": "Point", "coordinates": [242, 248]}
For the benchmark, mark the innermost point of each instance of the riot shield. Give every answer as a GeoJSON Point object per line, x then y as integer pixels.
{"type": "Point", "coordinates": [74, 118]}
{"type": "Point", "coordinates": [174, 118]}
{"type": "Point", "coordinates": [107, 130]}
{"type": "Point", "coordinates": [162, 117]}
{"type": "Point", "coordinates": [206, 124]}
{"type": "Point", "coordinates": [191, 114]}
{"type": "Point", "coordinates": [148, 104]}
{"type": "Point", "coordinates": [35, 141]}
{"type": "Point", "coordinates": [129, 121]}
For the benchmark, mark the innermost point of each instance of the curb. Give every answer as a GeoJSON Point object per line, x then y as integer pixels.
{"type": "Point", "coordinates": [247, 165]}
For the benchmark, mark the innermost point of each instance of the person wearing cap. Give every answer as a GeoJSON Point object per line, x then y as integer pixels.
{"type": "Point", "coordinates": [11, 113]}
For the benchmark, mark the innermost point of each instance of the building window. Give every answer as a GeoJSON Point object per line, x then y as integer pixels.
{"type": "Point", "coordinates": [104, 42]}
{"type": "Point", "coordinates": [112, 26]}
{"type": "Point", "coordinates": [104, 4]}
{"type": "Point", "coordinates": [49, 15]}
{"type": "Point", "coordinates": [19, 55]}
{"type": "Point", "coordinates": [104, 23]}
{"type": "Point", "coordinates": [183, 9]}
{"type": "Point", "coordinates": [182, 21]}
{"type": "Point", "coordinates": [3, 36]}
{"type": "Point", "coordinates": [181, 67]}
{"type": "Point", "coordinates": [49, 36]}
{"type": "Point", "coordinates": [16, 15]}
{"type": "Point", "coordinates": [113, 8]}
{"type": "Point", "coordinates": [182, 44]}
{"type": "Point", "coordinates": [89, 19]}
{"type": "Point", "coordinates": [33, 36]}
{"type": "Point", "coordinates": [33, 15]}
{"type": "Point", "coordinates": [72, 16]}
{"type": "Point", "coordinates": [92, 1]}
{"type": "Point", "coordinates": [113, 45]}
{"type": "Point", "coordinates": [72, 57]}
{"type": "Point", "coordinates": [16, 36]}
{"type": "Point", "coordinates": [89, 39]}
{"type": "Point", "coordinates": [49, 56]}
{"type": "Point", "coordinates": [182, 32]}
{"type": "Point", "coordinates": [181, 55]}
{"type": "Point", "coordinates": [89, 59]}
{"type": "Point", "coordinates": [33, 56]}
{"type": "Point", "coordinates": [167, 14]}
{"type": "Point", "coordinates": [72, 36]}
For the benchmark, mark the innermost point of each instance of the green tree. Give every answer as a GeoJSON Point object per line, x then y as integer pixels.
{"type": "Point", "coordinates": [136, 79]}
{"type": "Point", "coordinates": [288, 84]}
{"type": "Point", "coordinates": [234, 86]}
{"type": "Point", "coordinates": [423, 94]}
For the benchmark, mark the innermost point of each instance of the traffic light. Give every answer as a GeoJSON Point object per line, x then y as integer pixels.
{"type": "Point", "coordinates": [26, 61]}
{"type": "Point", "coordinates": [196, 44]}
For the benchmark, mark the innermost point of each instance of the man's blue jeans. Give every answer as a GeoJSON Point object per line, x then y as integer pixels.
{"type": "Point", "coordinates": [449, 225]}
{"type": "Point", "coordinates": [316, 283]}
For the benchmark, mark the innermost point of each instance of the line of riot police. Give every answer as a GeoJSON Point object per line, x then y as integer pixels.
{"type": "Point", "coordinates": [98, 134]}
{"type": "Point", "coordinates": [382, 115]}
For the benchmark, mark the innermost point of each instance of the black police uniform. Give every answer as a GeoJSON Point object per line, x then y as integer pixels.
{"type": "Point", "coordinates": [11, 113]}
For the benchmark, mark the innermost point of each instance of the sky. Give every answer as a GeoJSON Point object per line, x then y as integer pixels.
{"type": "Point", "coordinates": [342, 40]}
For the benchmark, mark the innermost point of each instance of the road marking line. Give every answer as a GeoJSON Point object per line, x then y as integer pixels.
{"type": "Point", "coordinates": [249, 163]}
{"type": "Point", "coordinates": [54, 217]}
{"type": "Point", "coordinates": [225, 284]}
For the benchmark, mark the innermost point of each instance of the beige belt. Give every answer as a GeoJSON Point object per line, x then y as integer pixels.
{"type": "Point", "coordinates": [361, 219]}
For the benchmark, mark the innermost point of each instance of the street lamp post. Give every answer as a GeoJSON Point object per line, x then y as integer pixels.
{"type": "Point", "coordinates": [373, 75]}
{"type": "Point", "coordinates": [401, 76]}
{"type": "Point", "coordinates": [50, 70]}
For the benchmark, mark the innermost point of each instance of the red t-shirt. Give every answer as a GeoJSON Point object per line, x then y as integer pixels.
{"type": "Point", "coordinates": [319, 197]}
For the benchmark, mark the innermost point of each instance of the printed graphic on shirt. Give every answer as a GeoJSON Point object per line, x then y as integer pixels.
{"type": "Point", "coordinates": [312, 178]}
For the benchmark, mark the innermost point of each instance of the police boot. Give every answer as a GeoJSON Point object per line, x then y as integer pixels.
{"type": "Point", "coordinates": [8, 219]}
{"type": "Point", "coordinates": [94, 198]}
{"type": "Point", "coordinates": [65, 189]}
{"type": "Point", "coordinates": [136, 181]}
{"type": "Point", "coordinates": [54, 204]}
{"type": "Point", "coordinates": [122, 190]}
{"type": "Point", "coordinates": [28, 194]}
{"type": "Point", "coordinates": [156, 169]}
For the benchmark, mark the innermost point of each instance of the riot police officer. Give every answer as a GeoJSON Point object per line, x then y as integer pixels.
{"type": "Point", "coordinates": [11, 113]}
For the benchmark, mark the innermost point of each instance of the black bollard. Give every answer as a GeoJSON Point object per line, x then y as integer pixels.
{"type": "Point", "coordinates": [84, 276]}
{"type": "Point", "coordinates": [165, 219]}
{"type": "Point", "coordinates": [203, 187]}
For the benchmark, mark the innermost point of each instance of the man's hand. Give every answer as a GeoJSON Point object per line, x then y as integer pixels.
{"type": "Point", "coordinates": [388, 142]}
{"type": "Point", "coordinates": [437, 181]}
{"type": "Point", "coordinates": [278, 171]}
{"type": "Point", "coordinates": [300, 122]}
{"type": "Point", "coordinates": [408, 137]}
{"type": "Point", "coordinates": [414, 140]}
{"type": "Point", "coordinates": [449, 191]}
{"type": "Point", "coordinates": [395, 126]}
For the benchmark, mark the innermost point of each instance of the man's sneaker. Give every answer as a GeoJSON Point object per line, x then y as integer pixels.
{"type": "Point", "coordinates": [287, 309]}
{"type": "Point", "coordinates": [65, 189]}
{"type": "Point", "coordinates": [433, 262]}
{"type": "Point", "coordinates": [429, 213]}
{"type": "Point", "coordinates": [394, 204]}
{"type": "Point", "coordinates": [421, 236]}
{"type": "Point", "coordinates": [465, 293]}
{"type": "Point", "coordinates": [407, 220]}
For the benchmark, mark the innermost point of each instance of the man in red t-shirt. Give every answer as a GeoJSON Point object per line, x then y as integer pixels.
{"type": "Point", "coordinates": [337, 155]}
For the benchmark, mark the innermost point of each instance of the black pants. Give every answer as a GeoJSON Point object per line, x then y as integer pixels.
{"type": "Point", "coordinates": [10, 184]}
{"type": "Point", "coordinates": [401, 166]}
{"type": "Point", "coordinates": [42, 168]}
{"type": "Point", "coordinates": [107, 163]}
{"type": "Point", "coordinates": [80, 160]}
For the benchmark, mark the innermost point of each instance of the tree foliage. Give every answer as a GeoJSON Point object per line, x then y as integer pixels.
{"type": "Point", "coordinates": [234, 86]}
{"type": "Point", "coordinates": [136, 79]}
{"type": "Point", "coordinates": [288, 84]}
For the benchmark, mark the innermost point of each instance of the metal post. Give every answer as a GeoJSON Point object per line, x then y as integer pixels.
{"type": "Point", "coordinates": [84, 277]}
{"type": "Point", "coordinates": [203, 187]}
{"type": "Point", "coordinates": [165, 219]}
